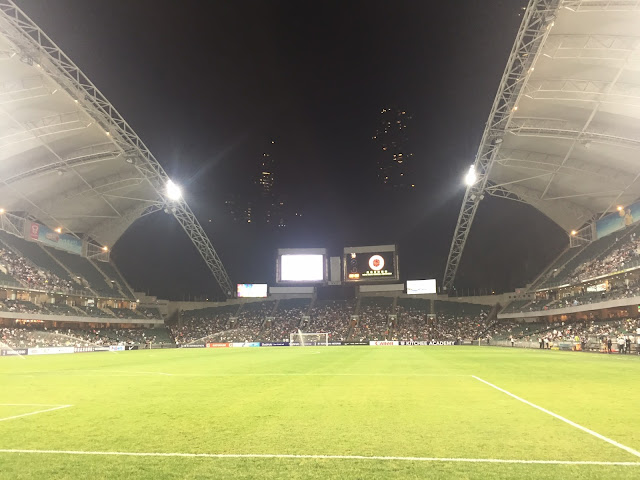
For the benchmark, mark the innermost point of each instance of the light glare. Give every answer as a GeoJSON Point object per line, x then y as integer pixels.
{"type": "Point", "coordinates": [174, 192]}
{"type": "Point", "coordinates": [471, 177]}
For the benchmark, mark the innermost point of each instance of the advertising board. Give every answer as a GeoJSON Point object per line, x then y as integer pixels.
{"type": "Point", "coordinates": [43, 234]}
{"type": "Point", "coordinates": [50, 350]}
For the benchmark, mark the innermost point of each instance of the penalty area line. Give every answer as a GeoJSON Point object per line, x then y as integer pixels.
{"type": "Point", "coordinates": [35, 413]}
{"type": "Point", "coordinates": [323, 457]}
{"type": "Point", "coordinates": [560, 417]}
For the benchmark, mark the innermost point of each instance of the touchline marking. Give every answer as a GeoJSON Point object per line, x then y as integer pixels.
{"type": "Point", "coordinates": [107, 373]}
{"type": "Point", "coordinates": [565, 420]}
{"type": "Point", "coordinates": [268, 374]}
{"type": "Point", "coordinates": [36, 412]}
{"type": "Point", "coordinates": [326, 457]}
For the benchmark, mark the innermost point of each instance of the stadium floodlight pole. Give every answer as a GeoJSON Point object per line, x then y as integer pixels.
{"type": "Point", "coordinates": [535, 27]}
{"type": "Point", "coordinates": [37, 48]}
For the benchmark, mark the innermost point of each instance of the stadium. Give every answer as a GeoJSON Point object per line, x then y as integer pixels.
{"type": "Point", "coordinates": [337, 370]}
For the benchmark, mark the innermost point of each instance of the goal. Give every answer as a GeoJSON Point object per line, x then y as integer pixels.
{"type": "Point", "coordinates": [309, 339]}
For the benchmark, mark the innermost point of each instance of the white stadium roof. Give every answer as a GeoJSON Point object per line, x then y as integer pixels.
{"type": "Point", "coordinates": [67, 157]}
{"type": "Point", "coordinates": [564, 132]}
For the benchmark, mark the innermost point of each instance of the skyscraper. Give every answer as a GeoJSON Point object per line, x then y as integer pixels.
{"type": "Point", "coordinates": [264, 202]}
{"type": "Point", "coordinates": [394, 159]}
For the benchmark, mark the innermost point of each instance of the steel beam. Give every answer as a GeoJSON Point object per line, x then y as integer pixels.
{"type": "Point", "coordinates": [536, 24]}
{"type": "Point", "coordinates": [46, 56]}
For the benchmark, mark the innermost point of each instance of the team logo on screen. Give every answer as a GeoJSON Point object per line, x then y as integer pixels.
{"type": "Point", "coordinates": [376, 263]}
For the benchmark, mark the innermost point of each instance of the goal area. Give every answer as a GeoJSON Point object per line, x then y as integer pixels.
{"type": "Point", "coordinates": [309, 339]}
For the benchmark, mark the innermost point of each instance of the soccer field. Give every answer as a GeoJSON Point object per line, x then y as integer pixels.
{"type": "Point", "coordinates": [321, 412]}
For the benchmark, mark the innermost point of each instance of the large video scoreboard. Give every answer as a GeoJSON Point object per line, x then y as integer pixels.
{"type": "Point", "coordinates": [376, 263]}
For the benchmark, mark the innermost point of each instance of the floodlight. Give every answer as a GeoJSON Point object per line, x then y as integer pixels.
{"type": "Point", "coordinates": [105, 249]}
{"type": "Point", "coordinates": [1, 211]}
{"type": "Point", "coordinates": [574, 233]}
{"type": "Point", "coordinates": [174, 192]}
{"type": "Point", "coordinates": [619, 208]}
{"type": "Point", "coordinates": [58, 230]}
{"type": "Point", "coordinates": [470, 178]}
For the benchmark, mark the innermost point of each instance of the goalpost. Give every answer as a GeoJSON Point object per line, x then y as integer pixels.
{"type": "Point", "coordinates": [309, 339]}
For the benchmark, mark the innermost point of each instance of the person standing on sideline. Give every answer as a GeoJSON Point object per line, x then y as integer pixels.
{"type": "Point", "coordinates": [512, 341]}
{"type": "Point", "coordinates": [609, 343]}
{"type": "Point", "coordinates": [620, 344]}
{"type": "Point", "coordinates": [541, 342]}
{"type": "Point", "coordinates": [627, 346]}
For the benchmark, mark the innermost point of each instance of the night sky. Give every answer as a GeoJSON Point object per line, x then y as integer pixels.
{"type": "Point", "coordinates": [207, 85]}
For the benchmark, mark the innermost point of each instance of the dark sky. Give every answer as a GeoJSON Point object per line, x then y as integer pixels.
{"type": "Point", "coordinates": [207, 84]}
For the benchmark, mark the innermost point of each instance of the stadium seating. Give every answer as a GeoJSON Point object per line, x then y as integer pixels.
{"type": "Point", "coordinates": [35, 254]}
{"type": "Point", "coordinates": [150, 312]}
{"type": "Point", "coordinates": [413, 304]}
{"type": "Point", "coordinates": [96, 312]}
{"type": "Point", "coordinates": [38, 336]}
{"type": "Point", "coordinates": [332, 317]}
{"type": "Point", "coordinates": [113, 274]}
{"type": "Point", "coordinates": [517, 306]}
{"type": "Point", "coordinates": [7, 280]}
{"type": "Point", "coordinates": [286, 320]}
{"type": "Point", "coordinates": [552, 269]}
{"type": "Point", "coordinates": [125, 313]}
{"type": "Point", "coordinates": [373, 322]}
{"type": "Point", "coordinates": [590, 253]}
{"type": "Point", "coordinates": [202, 325]}
{"type": "Point", "coordinates": [61, 309]}
{"type": "Point", "coordinates": [82, 267]}
{"type": "Point", "coordinates": [459, 308]}
{"type": "Point", "coordinates": [22, 306]}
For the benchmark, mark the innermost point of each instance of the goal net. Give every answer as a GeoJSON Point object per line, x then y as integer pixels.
{"type": "Point", "coordinates": [309, 339]}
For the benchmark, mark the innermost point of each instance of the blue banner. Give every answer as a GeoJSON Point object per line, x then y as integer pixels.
{"type": "Point", "coordinates": [43, 234]}
{"type": "Point", "coordinates": [617, 221]}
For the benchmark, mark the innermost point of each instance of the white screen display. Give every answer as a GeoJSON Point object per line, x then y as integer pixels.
{"type": "Point", "coordinates": [252, 290]}
{"type": "Point", "coordinates": [421, 287]}
{"type": "Point", "coordinates": [301, 268]}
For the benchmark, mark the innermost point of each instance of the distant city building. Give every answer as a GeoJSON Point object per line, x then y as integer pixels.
{"type": "Point", "coordinates": [265, 204]}
{"type": "Point", "coordinates": [394, 159]}
{"type": "Point", "coordinates": [239, 209]}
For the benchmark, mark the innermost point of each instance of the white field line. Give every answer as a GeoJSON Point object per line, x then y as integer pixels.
{"type": "Point", "coordinates": [565, 420]}
{"type": "Point", "coordinates": [30, 405]}
{"type": "Point", "coordinates": [267, 374]}
{"type": "Point", "coordinates": [35, 413]}
{"type": "Point", "coordinates": [323, 457]}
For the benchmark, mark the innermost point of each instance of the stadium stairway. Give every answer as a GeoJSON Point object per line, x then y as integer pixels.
{"type": "Point", "coordinates": [566, 255]}
{"type": "Point", "coordinates": [82, 267]}
{"type": "Point", "coordinates": [112, 275]}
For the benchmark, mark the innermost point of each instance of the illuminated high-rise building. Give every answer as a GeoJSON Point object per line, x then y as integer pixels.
{"type": "Point", "coordinates": [264, 203]}
{"type": "Point", "coordinates": [266, 179]}
{"type": "Point", "coordinates": [394, 159]}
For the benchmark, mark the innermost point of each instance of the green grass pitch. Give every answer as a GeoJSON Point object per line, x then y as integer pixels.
{"type": "Point", "coordinates": [420, 402]}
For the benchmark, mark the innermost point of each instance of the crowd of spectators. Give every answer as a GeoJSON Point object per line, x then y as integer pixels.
{"type": "Point", "coordinates": [35, 335]}
{"type": "Point", "coordinates": [285, 322]}
{"type": "Point", "coordinates": [20, 306]}
{"type": "Point", "coordinates": [417, 325]}
{"type": "Point", "coordinates": [30, 276]}
{"type": "Point", "coordinates": [332, 317]}
{"type": "Point", "coordinates": [616, 260]}
{"type": "Point", "coordinates": [374, 323]}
